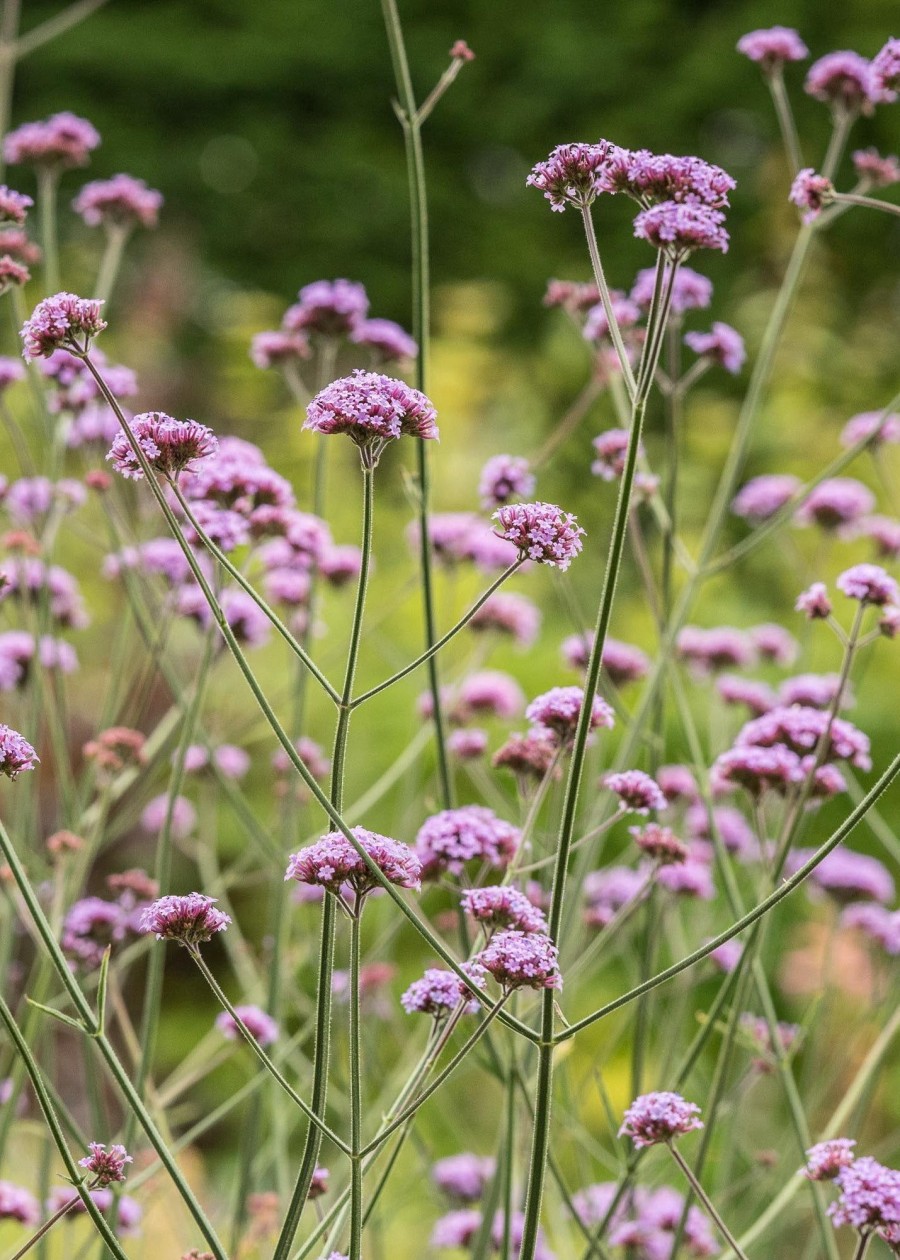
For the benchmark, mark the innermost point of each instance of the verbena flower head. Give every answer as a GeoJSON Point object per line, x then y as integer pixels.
{"type": "Point", "coordinates": [870, 1196]}
{"type": "Point", "coordinates": [800, 728]}
{"type": "Point", "coordinates": [651, 178]}
{"type": "Point", "coordinates": [190, 920]}
{"type": "Point", "coordinates": [467, 745]}
{"type": "Point", "coordinates": [522, 960]}
{"type": "Point", "coordinates": [849, 876]}
{"type": "Point", "coordinates": [505, 477]}
{"type": "Point", "coordinates": [463, 1177]}
{"type": "Point", "coordinates": [773, 47]}
{"type": "Point", "coordinates": [880, 925]}
{"type": "Point", "coordinates": [541, 532]}
{"type": "Point", "coordinates": [388, 341]}
{"type": "Point", "coordinates": [870, 584]}
{"type": "Point", "coordinates": [706, 651]}
{"type": "Point", "coordinates": [872, 426]}
{"type": "Point", "coordinates": [333, 861]}
{"type": "Point", "coordinates": [885, 72]}
{"type": "Point", "coordinates": [180, 812]}
{"type": "Point", "coordinates": [456, 1229]}
{"type": "Point", "coordinates": [606, 891]}
{"type": "Point", "coordinates": [874, 169]}
{"type": "Point", "coordinates": [558, 710]}
{"type": "Point", "coordinates": [489, 691]}
{"type": "Point", "coordinates": [319, 1183]}
{"type": "Point", "coordinates": [626, 311]}
{"type": "Point", "coordinates": [372, 410]}
{"type": "Point", "coordinates": [502, 906]}
{"type": "Point", "coordinates": [63, 140]}
{"type": "Point", "coordinates": [258, 1023]}
{"type": "Point", "coordinates": [811, 193]}
{"type": "Point", "coordinates": [121, 201]}
{"type": "Point", "coordinates": [837, 502]}
{"type": "Point", "coordinates": [13, 206]}
{"type": "Point", "coordinates": [723, 345]}
{"type": "Point", "coordinates": [106, 1165]}
{"type": "Point", "coordinates": [690, 292]}
{"type": "Point", "coordinates": [814, 602]}
{"type": "Point", "coordinates": [679, 228]}
{"type": "Point", "coordinates": [16, 754]}
{"type": "Point", "coordinates": [453, 837]}
{"type": "Point", "coordinates": [659, 1117]}
{"type": "Point", "coordinates": [440, 992]}
{"type": "Point", "coordinates": [843, 80]}
{"type": "Point", "coordinates": [62, 322]}
{"type": "Point", "coordinates": [660, 844]}
{"type": "Point", "coordinates": [510, 614]}
{"type": "Point", "coordinates": [610, 448]}
{"type": "Point", "coordinates": [759, 770]}
{"type": "Point", "coordinates": [637, 792]}
{"type": "Point", "coordinates": [773, 643]}
{"type": "Point", "coordinates": [279, 349]}
{"type": "Point", "coordinates": [170, 446]}
{"type": "Point", "coordinates": [762, 497]}
{"type": "Point", "coordinates": [571, 175]}
{"type": "Point", "coordinates": [757, 696]}
{"type": "Point", "coordinates": [529, 755]}
{"type": "Point", "coordinates": [18, 1204]}
{"type": "Point", "coordinates": [331, 308]}
{"type": "Point", "coordinates": [826, 1159]}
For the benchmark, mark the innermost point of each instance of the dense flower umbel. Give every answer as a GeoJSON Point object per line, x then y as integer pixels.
{"type": "Point", "coordinates": [885, 72]}
{"type": "Point", "coordinates": [62, 322]}
{"type": "Point", "coordinates": [772, 47]}
{"type": "Point", "coordinates": [660, 844]}
{"type": "Point", "coordinates": [529, 755]}
{"type": "Point", "coordinates": [189, 920]}
{"type": "Point", "coordinates": [440, 992]}
{"type": "Point", "coordinates": [571, 175]}
{"type": "Point", "coordinates": [106, 1165]}
{"type": "Point", "coordinates": [826, 1159]}
{"type": "Point", "coordinates": [331, 308]}
{"type": "Point", "coordinates": [559, 709]}
{"type": "Point", "coordinates": [522, 960]}
{"type": "Point", "coordinates": [120, 201]}
{"type": "Point", "coordinates": [62, 140]}
{"type": "Point", "coordinates": [870, 1196]}
{"type": "Point", "coordinates": [870, 584]}
{"type": "Point", "coordinates": [541, 532]}
{"type": "Point", "coordinates": [637, 792]}
{"type": "Point", "coordinates": [261, 1026]}
{"type": "Point", "coordinates": [723, 345]}
{"type": "Point", "coordinates": [690, 292]}
{"type": "Point", "coordinates": [17, 1204]}
{"type": "Point", "coordinates": [502, 906]}
{"type": "Point", "coordinates": [448, 840]}
{"type": "Point", "coordinates": [505, 477]}
{"type": "Point", "coordinates": [610, 448]}
{"type": "Point", "coordinates": [388, 341]}
{"type": "Point", "coordinates": [762, 497]}
{"type": "Point", "coordinates": [372, 410]}
{"type": "Point", "coordinates": [800, 728]}
{"type": "Point", "coordinates": [874, 169]}
{"type": "Point", "coordinates": [16, 754]}
{"type": "Point", "coordinates": [463, 1177]}
{"type": "Point", "coordinates": [814, 602]}
{"type": "Point", "coordinates": [333, 861]}
{"type": "Point", "coordinates": [679, 228]}
{"type": "Point", "coordinates": [659, 1117]}
{"type": "Point", "coordinates": [843, 79]}
{"type": "Point", "coordinates": [170, 446]}
{"type": "Point", "coordinates": [811, 192]}
{"type": "Point", "coordinates": [13, 205]}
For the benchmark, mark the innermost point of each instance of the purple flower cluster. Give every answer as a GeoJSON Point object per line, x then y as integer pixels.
{"type": "Point", "coordinates": [189, 920]}
{"type": "Point", "coordinates": [660, 844]}
{"type": "Point", "coordinates": [63, 140]}
{"type": "Point", "coordinates": [333, 861]}
{"type": "Point", "coordinates": [773, 47]}
{"type": "Point", "coordinates": [463, 1177]}
{"type": "Point", "coordinates": [503, 906]}
{"type": "Point", "coordinates": [678, 228]}
{"type": "Point", "coordinates": [874, 169]}
{"type": "Point", "coordinates": [723, 345]}
{"type": "Point", "coordinates": [870, 584]}
{"type": "Point", "coordinates": [762, 497]}
{"type": "Point", "coordinates": [13, 206]}
{"type": "Point", "coordinates": [869, 1198]}
{"type": "Point", "coordinates": [690, 291]}
{"type": "Point", "coordinates": [440, 992]}
{"type": "Point", "coordinates": [16, 754]}
{"type": "Point", "coordinates": [450, 839]}
{"type": "Point", "coordinates": [708, 651]}
{"type": "Point", "coordinates": [606, 891]}
{"type": "Point", "coordinates": [259, 1024]}
{"type": "Point", "coordinates": [510, 614]}
{"type": "Point", "coordinates": [622, 662]}
{"type": "Point", "coordinates": [522, 960]}
{"type": "Point", "coordinates": [18, 1204]}
{"type": "Point", "coordinates": [811, 193]}
{"type": "Point", "coordinates": [541, 532]}
{"type": "Point", "coordinates": [169, 446]}
{"type": "Point", "coordinates": [637, 792]}
{"type": "Point", "coordinates": [826, 1159]}
{"type": "Point", "coordinates": [128, 1212]}
{"type": "Point", "coordinates": [843, 80]}
{"type": "Point", "coordinates": [572, 175]}
{"type": "Point", "coordinates": [527, 756]}
{"type": "Point", "coordinates": [122, 201]}
{"type": "Point", "coordinates": [331, 308]}
{"type": "Point", "coordinates": [610, 449]}
{"type": "Point", "coordinates": [372, 410]}
{"type": "Point", "coordinates": [388, 342]}
{"type": "Point", "coordinates": [505, 477]}
{"type": "Point", "coordinates": [885, 71]}
{"type": "Point", "coordinates": [105, 1165]}
{"type": "Point", "coordinates": [659, 1117]}
{"type": "Point", "coordinates": [873, 426]}
{"type": "Point", "coordinates": [62, 322]}
{"type": "Point", "coordinates": [559, 710]}
{"type": "Point", "coordinates": [799, 728]}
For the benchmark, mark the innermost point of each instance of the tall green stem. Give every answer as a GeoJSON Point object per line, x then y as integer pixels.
{"type": "Point", "coordinates": [48, 183]}
{"type": "Point", "coordinates": [356, 1169]}
{"type": "Point", "coordinates": [116, 238]}
{"type": "Point", "coordinates": [706, 1201]}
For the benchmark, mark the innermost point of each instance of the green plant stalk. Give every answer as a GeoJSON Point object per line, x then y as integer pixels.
{"type": "Point", "coordinates": [356, 1169]}
{"type": "Point", "coordinates": [706, 1201]}
{"type": "Point", "coordinates": [600, 279]}
{"type": "Point", "coordinates": [117, 1070]}
{"type": "Point", "coordinates": [48, 185]}
{"type": "Point", "coordinates": [116, 239]}
{"type": "Point", "coordinates": [9, 30]}
{"type": "Point", "coordinates": [785, 115]}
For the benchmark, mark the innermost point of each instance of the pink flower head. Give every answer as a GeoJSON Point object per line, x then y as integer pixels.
{"type": "Point", "coordinates": [876, 922]}
{"type": "Point", "coordinates": [505, 477]}
{"type": "Point", "coordinates": [16, 754]}
{"type": "Point", "coordinates": [836, 502]}
{"type": "Point", "coordinates": [611, 447]}
{"type": "Point", "coordinates": [849, 876]}
{"type": "Point", "coordinates": [319, 1184]}
{"type": "Point", "coordinates": [708, 651]}
{"type": "Point", "coordinates": [759, 770]}
{"type": "Point", "coordinates": [502, 906]}
{"type": "Point", "coordinates": [762, 497]}
{"type": "Point", "coordinates": [559, 709]}
{"type": "Point", "coordinates": [467, 745]}
{"type": "Point", "coordinates": [11, 371]}
{"type": "Point", "coordinates": [679, 228]}
{"type": "Point", "coordinates": [541, 532]}
{"type": "Point", "coordinates": [826, 1159]}
{"type": "Point", "coordinates": [372, 410]}
{"type": "Point", "coordinates": [637, 792]}
{"type": "Point", "coordinates": [874, 169]}
{"type": "Point", "coordinates": [625, 309]}
{"type": "Point", "coordinates": [189, 920]}
{"type": "Point", "coordinates": [340, 564]}
{"type": "Point", "coordinates": [870, 584]}
{"type": "Point", "coordinates": [461, 51]}
{"type": "Point", "coordinates": [331, 308]}
{"type": "Point", "coordinates": [261, 1026]}
{"type": "Point", "coordinates": [388, 341]}
{"type": "Point", "coordinates": [757, 696]}
{"type": "Point", "coordinates": [276, 349]}
{"type": "Point", "coordinates": [606, 891]}
{"type": "Point", "coordinates": [659, 1117]}
{"type": "Point", "coordinates": [723, 345]}
{"type": "Point", "coordinates": [463, 1177]}
{"type": "Point", "coordinates": [440, 992]}
{"type": "Point", "coordinates": [571, 175]}
{"type": "Point", "coordinates": [490, 691]}
{"type": "Point", "coordinates": [874, 427]}
{"type": "Point", "coordinates": [677, 783]}
{"type": "Point", "coordinates": [333, 861]}
{"type": "Point", "coordinates": [63, 321]}
{"type": "Point", "coordinates": [106, 1165]}
{"type": "Point", "coordinates": [170, 446]}
{"type": "Point", "coordinates": [571, 296]}
{"type": "Point", "coordinates": [664, 178]}
{"type": "Point", "coordinates": [122, 201]}
{"type": "Point", "coordinates": [885, 72]}
{"type": "Point", "coordinates": [773, 643]}
{"type": "Point", "coordinates": [660, 844]}
{"type": "Point", "coordinates": [527, 756]}
{"type": "Point", "coordinates": [12, 273]}
{"type": "Point", "coordinates": [183, 815]}
{"type": "Point", "coordinates": [870, 1196]}
{"type": "Point", "coordinates": [510, 614]}
{"type": "Point", "coordinates": [727, 956]}
{"type": "Point", "coordinates": [814, 602]}
{"type": "Point", "coordinates": [843, 80]}
{"type": "Point", "coordinates": [62, 140]}
{"type": "Point", "coordinates": [773, 47]}
{"type": "Point", "coordinates": [800, 728]}
{"type": "Point", "coordinates": [522, 960]}
{"type": "Point", "coordinates": [18, 1204]}
{"type": "Point", "coordinates": [811, 193]}
{"type": "Point", "coordinates": [453, 837]}
{"type": "Point", "coordinates": [13, 206]}
{"type": "Point", "coordinates": [691, 291]}
{"type": "Point", "coordinates": [456, 1229]}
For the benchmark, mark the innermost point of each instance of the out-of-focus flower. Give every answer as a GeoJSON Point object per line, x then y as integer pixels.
{"type": "Point", "coordinates": [723, 345]}
{"type": "Point", "coordinates": [811, 193]}
{"type": "Point", "coordinates": [259, 1024]}
{"type": "Point", "coordinates": [843, 80]}
{"type": "Point", "coordinates": [121, 201]}
{"type": "Point", "coordinates": [63, 140]}
{"type": "Point", "coordinates": [773, 47]}
{"type": "Point", "coordinates": [505, 477]}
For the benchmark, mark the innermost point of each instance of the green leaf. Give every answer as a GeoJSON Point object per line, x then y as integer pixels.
{"type": "Point", "coordinates": [64, 1019]}
{"type": "Point", "coordinates": [101, 990]}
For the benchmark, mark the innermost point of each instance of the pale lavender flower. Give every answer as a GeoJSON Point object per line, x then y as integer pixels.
{"type": "Point", "coordinates": [870, 584]}
{"type": "Point", "coordinates": [319, 1184]}
{"type": "Point", "coordinates": [773, 47]}
{"type": "Point", "coordinates": [259, 1024]}
{"type": "Point", "coordinates": [867, 424]}
{"type": "Point", "coordinates": [502, 906]}
{"type": "Point", "coordinates": [571, 175]}
{"type": "Point", "coordinates": [184, 816]}
{"type": "Point", "coordinates": [626, 312]}
{"type": "Point", "coordinates": [12, 273]}
{"type": "Point", "coordinates": [849, 876]}
{"type": "Point", "coordinates": [169, 446]}
{"type": "Point", "coordinates": [814, 602]}
{"type": "Point", "coordinates": [527, 756]}
{"type": "Point", "coordinates": [592, 1204]}
{"type": "Point", "coordinates": [440, 992]}
{"type": "Point", "coordinates": [456, 1229]}
{"type": "Point", "coordinates": [692, 878]}
{"type": "Point", "coordinates": [276, 348]}
{"type": "Point", "coordinates": [723, 345]}
{"type": "Point", "coordinates": [727, 956]}
{"type": "Point", "coordinates": [874, 169]}
{"type": "Point", "coordinates": [16, 754]}
{"type": "Point", "coordinates": [505, 477]}
{"type": "Point", "coordinates": [773, 643]}
{"type": "Point", "coordinates": [842, 79]}
{"type": "Point", "coordinates": [516, 1235]}
{"type": "Point", "coordinates": [665, 178]}
{"type": "Point", "coordinates": [372, 410]}
{"type": "Point", "coordinates": [732, 827]}
{"type": "Point", "coordinates": [679, 228]}
{"type": "Point", "coordinates": [800, 728]}
{"type": "Point", "coordinates": [13, 206]}
{"type": "Point", "coordinates": [708, 651]}
{"type": "Point", "coordinates": [331, 308]}
{"type": "Point", "coordinates": [622, 662]}
{"type": "Point", "coordinates": [691, 291]}
{"type": "Point", "coordinates": [121, 201]}
{"type": "Point", "coordinates": [606, 891]}
{"type": "Point", "coordinates": [190, 920]}
{"type": "Point", "coordinates": [333, 861]}
{"type": "Point", "coordinates": [659, 1213]}
{"type": "Point", "coordinates": [11, 371]}
{"type": "Point", "coordinates": [390, 342]}
{"type": "Point", "coordinates": [522, 960]}
{"type": "Point", "coordinates": [463, 1177]}
{"type": "Point", "coordinates": [571, 295]}
{"type": "Point", "coordinates": [759, 770]}
{"type": "Point", "coordinates": [870, 1196]}
{"type": "Point", "coordinates": [610, 448]}
{"type": "Point", "coordinates": [876, 922]}
{"type": "Point", "coordinates": [762, 497]}
{"type": "Point", "coordinates": [559, 710]}
{"type": "Point", "coordinates": [310, 753]}
{"type": "Point", "coordinates": [637, 792]}
{"type": "Point", "coordinates": [18, 1204]}
{"type": "Point", "coordinates": [885, 72]}
{"type": "Point", "coordinates": [889, 622]}
{"type": "Point", "coordinates": [489, 691]}
{"type": "Point", "coordinates": [32, 581]}
{"type": "Point", "coordinates": [340, 564]}
{"type": "Point", "coordinates": [811, 193]}
{"type": "Point", "coordinates": [510, 614]}
{"type": "Point", "coordinates": [448, 840]}
{"type": "Point", "coordinates": [677, 783]}
{"type": "Point", "coordinates": [288, 586]}
{"type": "Point", "coordinates": [659, 1117]}
{"type": "Point", "coordinates": [62, 140]}
{"type": "Point", "coordinates": [884, 532]}
{"type": "Point", "coordinates": [247, 620]}
{"type": "Point", "coordinates": [467, 745]}
{"type": "Point", "coordinates": [14, 242]}
{"type": "Point", "coordinates": [541, 532]}
{"type": "Point", "coordinates": [30, 498]}
{"type": "Point", "coordinates": [91, 924]}
{"type": "Point", "coordinates": [826, 1159]}
{"type": "Point", "coordinates": [106, 1165]}
{"type": "Point", "coordinates": [128, 1211]}
{"type": "Point", "coordinates": [756, 696]}
{"type": "Point", "coordinates": [817, 691]}
{"type": "Point", "coordinates": [660, 844]}
{"type": "Point", "coordinates": [64, 321]}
